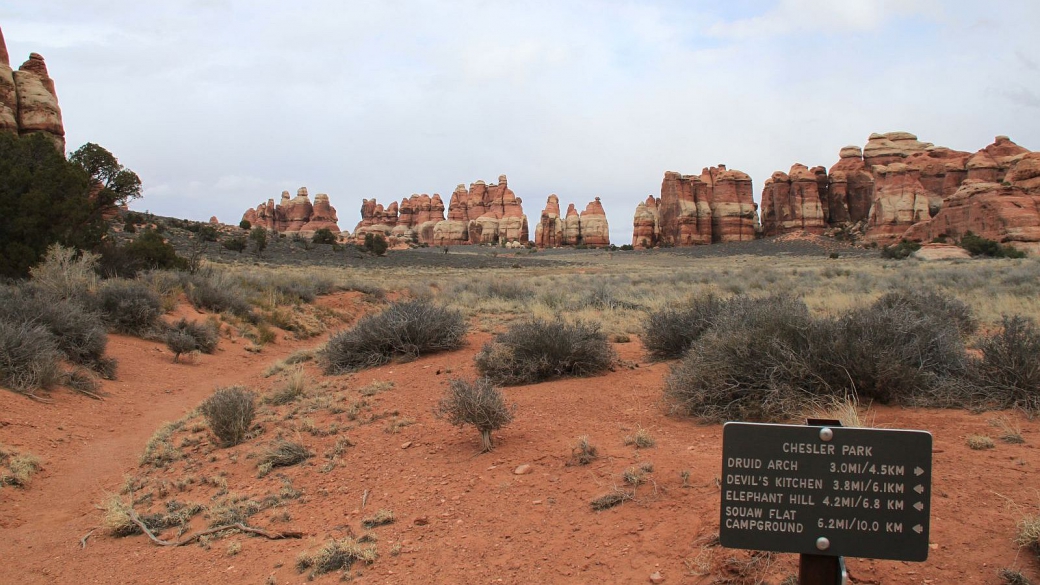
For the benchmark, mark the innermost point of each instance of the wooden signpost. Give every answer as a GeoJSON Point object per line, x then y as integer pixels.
{"type": "Point", "coordinates": [826, 492]}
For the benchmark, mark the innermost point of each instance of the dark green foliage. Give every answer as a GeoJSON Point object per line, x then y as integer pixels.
{"type": "Point", "coordinates": [668, 333]}
{"type": "Point", "coordinates": [979, 246]}
{"type": "Point", "coordinates": [324, 236]}
{"type": "Point", "coordinates": [207, 233]}
{"type": "Point", "coordinates": [43, 200]}
{"type": "Point", "coordinates": [1009, 369]}
{"type": "Point", "coordinates": [535, 350]}
{"type": "Point", "coordinates": [375, 243]}
{"type": "Point", "coordinates": [627, 248]}
{"type": "Point", "coordinates": [118, 183]}
{"type": "Point", "coordinates": [244, 224]}
{"type": "Point", "coordinates": [129, 307]}
{"type": "Point", "coordinates": [235, 244]}
{"type": "Point", "coordinates": [404, 329]}
{"type": "Point", "coordinates": [29, 357]}
{"type": "Point", "coordinates": [229, 413]}
{"type": "Point", "coordinates": [258, 237]}
{"type": "Point", "coordinates": [150, 251]}
{"type": "Point", "coordinates": [900, 251]}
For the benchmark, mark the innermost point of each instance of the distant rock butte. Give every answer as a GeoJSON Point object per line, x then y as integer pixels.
{"type": "Point", "coordinates": [295, 215]}
{"type": "Point", "coordinates": [589, 228]}
{"type": "Point", "coordinates": [482, 214]}
{"type": "Point", "coordinates": [715, 206]}
{"type": "Point", "coordinates": [28, 102]}
{"type": "Point", "coordinates": [894, 187]}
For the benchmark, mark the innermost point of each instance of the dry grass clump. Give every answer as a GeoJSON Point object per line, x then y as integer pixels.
{"type": "Point", "coordinates": [380, 518]}
{"type": "Point", "coordinates": [281, 453]}
{"type": "Point", "coordinates": [614, 498]}
{"type": "Point", "coordinates": [477, 403]}
{"type": "Point", "coordinates": [218, 292]}
{"type": "Point", "coordinates": [229, 413]}
{"type": "Point", "coordinates": [1012, 577]}
{"type": "Point", "coordinates": [404, 329]}
{"type": "Point", "coordinates": [1028, 535]}
{"type": "Point", "coordinates": [846, 410]}
{"type": "Point", "coordinates": [535, 350]}
{"type": "Point", "coordinates": [336, 555]}
{"type": "Point", "coordinates": [66, 273]}
{"type": "Point", "coordinates": [1010, 431]}
{"type": "Point", "coordinates": [642, 439]}
{"type": "Point", "coordinates": [17, 469]}
{"type": "Point", "coordinates": [160, 451]}
{"type": "Point", "coordinates": [583, 452]}
{"type": "Point", "coordinates": [980, 442]}
{"type": "Point", "coordinates": [297, 357]}
{"type": "Point", "coordinates": [294, 387]}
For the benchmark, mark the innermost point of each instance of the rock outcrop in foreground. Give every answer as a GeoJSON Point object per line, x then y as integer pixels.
{"type": "Point", "coordinates": [589, 228]}
{"type": "Point", "coordinates": [28, 102]}
{"type": "Point", "coordinates": [482, 214]}
{"type": "Point", "coordinates": [295, 215]}
{"type": "Point", "coordinates": [716, 206]}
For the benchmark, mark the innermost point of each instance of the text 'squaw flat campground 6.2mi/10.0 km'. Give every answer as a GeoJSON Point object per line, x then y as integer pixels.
{"type": "Point", "coordinates": [499, 311]}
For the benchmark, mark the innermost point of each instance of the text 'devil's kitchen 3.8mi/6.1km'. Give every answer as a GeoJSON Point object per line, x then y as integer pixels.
{"type": "Point", "coordinates": [822, 490]}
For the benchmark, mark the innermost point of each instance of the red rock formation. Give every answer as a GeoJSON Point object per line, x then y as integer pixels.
{"type": "Point", "coordinates": [213, 220]}
{"type": "Point", "coordinates": [1004, 213]}
{"type": "Point", "coordinates": [549, 231]}
{"type": "Point", "coordinates": [28, 101]}
{"type": "Point", "coordinates": [296, 215]}
{"type": "Point", "coordinates": [595, 231]}
{"type": "Point", "coordinates": [793, 202]}
{"type": "Point", "coordinates": [900, 201]}
{"type": "Point", "coordinates": [646, 226]}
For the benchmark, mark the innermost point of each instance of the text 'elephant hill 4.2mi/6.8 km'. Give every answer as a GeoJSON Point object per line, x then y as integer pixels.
{"type": "Point", "coordinates": [826, 490]}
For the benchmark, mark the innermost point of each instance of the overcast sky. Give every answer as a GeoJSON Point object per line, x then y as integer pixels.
{"type": "Point", "coordinates": [221, 104]}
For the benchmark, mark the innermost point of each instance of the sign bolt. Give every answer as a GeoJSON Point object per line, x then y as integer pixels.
{"type": "Point", "coordinates": [823, 543]}
{"type": "Point", "coordinates": [826, 434]}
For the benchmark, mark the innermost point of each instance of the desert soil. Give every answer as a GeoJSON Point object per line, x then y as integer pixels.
{"type": "Point", "coordinates": [462, 517]}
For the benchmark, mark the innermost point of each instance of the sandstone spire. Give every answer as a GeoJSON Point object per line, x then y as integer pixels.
{"type": "Point", "coordinates": [5, 59]}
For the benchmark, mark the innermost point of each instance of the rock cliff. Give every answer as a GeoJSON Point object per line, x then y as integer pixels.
{"type": "Point", "coordinates": [482, 214]}
{"type": "Point", "coordinates": [587, 228]}
{"type": "Point", "coordinates": [295, 214]}
{"type": "Point", "coordinates": [28, 101]}
{"type": "Point", "coordinates": [715, 206]}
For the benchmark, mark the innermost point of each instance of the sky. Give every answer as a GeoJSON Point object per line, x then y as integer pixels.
{"type": "Point", "coordinates": [221, 104]}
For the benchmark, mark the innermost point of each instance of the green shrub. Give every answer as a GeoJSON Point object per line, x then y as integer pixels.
{"type": "Point", "coordinates": [375, 243]}
{"type": "Point", "coordinates": [258, 237]}
{"type": "Point", "coordinates": [323, 236]}
{"type": "Point", "coordinates": [149, 250]}
{"type": "Point", "coordinates": [1008, 371]}
{"type": "Point", "coordinates": [129, 307]}
{"type": "Point", "coordinates": [900, 251]}
{"type": "Point", "coordinates": [478, 404]}
{"type": "Point", "coordinates": [668, 333]}
{"type": "Point", "coordinates": [403, 329]}
{"type": "Point", "coordinates": [244, 224]}
{"type": "Point", "coordinates": [536, 350]}
{"type": "Point", "coordinates": [229, 413]}
{"type": "Point", "coordinates": [979, 246]}
{"type": "Point", "coordinates": [235, 243]}
{"type": "Point", "coordinates": [29, 358]}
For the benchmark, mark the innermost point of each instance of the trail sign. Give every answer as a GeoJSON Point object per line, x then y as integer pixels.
{"type": "Point", "coordinates": [819, 490]}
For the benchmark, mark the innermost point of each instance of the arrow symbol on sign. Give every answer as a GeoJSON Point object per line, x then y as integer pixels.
{"type": "Point", "coordinates": [918, 529]}
{"type": "Point", "coordinates": [919, 488]}
{"type": "Point", "coordinates": [919, 506]}
{"type": "Point", "coordinates": [918, 471]}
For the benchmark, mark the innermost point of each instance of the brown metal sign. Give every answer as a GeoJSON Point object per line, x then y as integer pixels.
{"type": "Point", "coordinates": [838, 491]}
